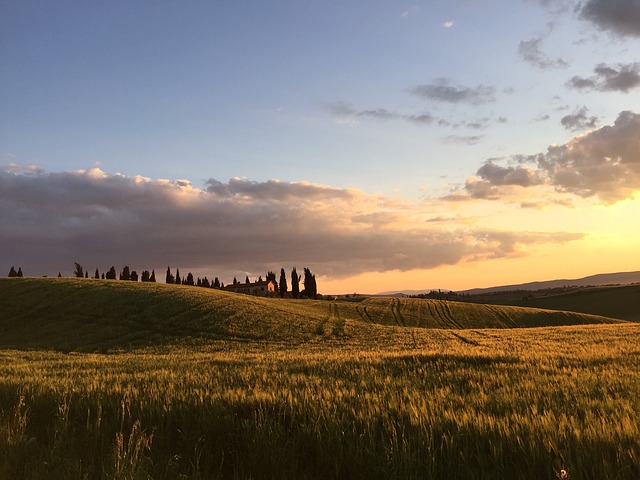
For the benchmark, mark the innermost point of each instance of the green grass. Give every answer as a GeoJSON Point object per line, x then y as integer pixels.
{"type": "Point", "coordinates": [97, 315]}
{"type": "Point", "coordinates": [169, 382]}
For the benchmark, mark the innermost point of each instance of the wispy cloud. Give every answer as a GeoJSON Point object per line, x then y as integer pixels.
{"type": "Point", "coordinates": [442, 90]}
{"type": "Point", "coordinates": [448, 24]}
{"type": "Point", "coordinates": [531, 52]}
{"type": "Point", "coordinates": [346, 113]}
{"type": "Point", "coordinates": [579, 120]}
{"type": "Point", "coordinates": [463, 139]}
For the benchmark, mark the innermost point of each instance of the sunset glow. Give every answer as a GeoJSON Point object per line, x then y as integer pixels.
{"type": "Point", "coordinates": [453, 145]}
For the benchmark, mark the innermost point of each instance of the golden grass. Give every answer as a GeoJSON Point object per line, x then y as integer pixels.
{"type": "Point", "coordinates": [317, 391]}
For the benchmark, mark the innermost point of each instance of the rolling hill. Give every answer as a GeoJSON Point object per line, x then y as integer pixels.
{"type": "Point", "coordinates": [619, 278]}
{"type": "Point", "coordinates": [617, 301]}
{"type": "Point", "coordinates": [96, 315]}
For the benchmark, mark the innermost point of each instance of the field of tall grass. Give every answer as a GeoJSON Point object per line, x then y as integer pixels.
{"type": "Point", "coordinates": [348, 399]}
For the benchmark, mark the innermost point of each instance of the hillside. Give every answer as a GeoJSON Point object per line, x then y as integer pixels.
{"type": "Point", "coordinates": [97, 315]}
{"type": "Point", "coordinates": [619, 278]}
{"type": "Point", "coordinates": [617, 302]}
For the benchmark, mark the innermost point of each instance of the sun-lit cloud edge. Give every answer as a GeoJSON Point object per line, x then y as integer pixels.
{"type": "Point", "coordinates": [601, 165]}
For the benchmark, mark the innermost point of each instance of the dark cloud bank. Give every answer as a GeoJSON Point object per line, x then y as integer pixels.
{"type": "Point", "coordinates": [621, 17]}
{"type": "Point", "coordinates": [50, 220]}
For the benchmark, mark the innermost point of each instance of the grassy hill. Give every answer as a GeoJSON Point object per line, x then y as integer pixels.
{"type": "Point", "coordinates": [610, 301]}
{"type": "Point", "coordinates": [96, 315]}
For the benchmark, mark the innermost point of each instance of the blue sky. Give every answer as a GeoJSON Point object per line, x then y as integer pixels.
{"type": "Point", "coordinates": [402, 103]}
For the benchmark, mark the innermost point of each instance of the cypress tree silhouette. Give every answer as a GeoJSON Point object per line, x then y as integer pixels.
{"type": "Point", "coordinates": [170, 278]}
{"type": "Point", "coordinates": [283, 283]}
{"type": "Point", "coordinates": [295, 283]}
{"type": "Point", "coordinates": [153, 276]}
{"type": "Point", "coordinates": [310, 288]}
{"type": "Point", "coordinates": [12, 272]}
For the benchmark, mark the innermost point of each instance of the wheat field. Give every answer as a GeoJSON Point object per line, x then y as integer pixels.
{"type": "Point", "coordinates": [339, 398]}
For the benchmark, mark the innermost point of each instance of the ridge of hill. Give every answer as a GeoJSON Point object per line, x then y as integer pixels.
{"type": "Point", "coordinates": [619, 278]}
{"type": "Point", "coordinates": [69, 314]}
{"type": "Point", "coordinates": [621, 301]}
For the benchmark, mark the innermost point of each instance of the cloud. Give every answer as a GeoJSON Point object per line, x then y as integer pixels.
{"type": "Point", "coordinates": [442, 91]}
{"type": "Point", "coordinates": [520, 175]}
{"type": "Point", "coordinates": [345, 113]}
{"type": "Point", "coordinates": [100, 219]}
{"type": "Point", "coordinates": [609, 79]}
{"type": "Point", "coordinates": [530, 51]}
{"type": "Point", "coordinates": [603, 163]}
{"type": "Point", "coordinates": [621, 17]}
{"type": "Point", "coordinates": [579, 120]}
{"type": "Point", "coordinates": [463, 139]}
{"type": "Point", "coordinates": [448, 24]}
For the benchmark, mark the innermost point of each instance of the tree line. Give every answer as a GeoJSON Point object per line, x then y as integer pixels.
{"type": "Point", "coordinates": [281, 287]}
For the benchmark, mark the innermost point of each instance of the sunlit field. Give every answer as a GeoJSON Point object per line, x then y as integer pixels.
{"type": "Point", "coordinates": [339, 398]}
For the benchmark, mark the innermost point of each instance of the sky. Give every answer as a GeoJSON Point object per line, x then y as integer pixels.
{"type": "Point", "coordinates": [385, 145]}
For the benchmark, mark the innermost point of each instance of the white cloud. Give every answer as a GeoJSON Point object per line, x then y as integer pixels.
{"type": "Point", "coordinates": [603, 163]}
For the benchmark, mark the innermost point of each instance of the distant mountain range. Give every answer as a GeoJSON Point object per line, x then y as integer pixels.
{"type": "Point", "coordinates": [620, 278]}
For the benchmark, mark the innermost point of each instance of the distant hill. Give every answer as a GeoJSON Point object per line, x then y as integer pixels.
{"type": "Point", "coordinates": [100, 315]}
{"type": "Point", "coordinates": [621, 301]}
{"type": "Point", "coordinates": [622, 278]}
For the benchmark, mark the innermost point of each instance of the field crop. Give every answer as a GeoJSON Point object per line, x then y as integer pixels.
{"type": "Point", "coordinates": [338, 398]}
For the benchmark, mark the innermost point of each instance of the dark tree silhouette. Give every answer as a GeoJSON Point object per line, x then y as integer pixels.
{"type": "Point", "coordinates": [310, 289]}
{"type": "Point", "coordinates": [170, 278]}
{"type": "Point", "coordinates": [79, 271]}
{"type": "Point", "coordinates": [235, 281]}
{"type": "Point", "coordinates": [189, 280]}
{"type": "Point", "coordinates": [134, 276]}
{"type": "Point", "coordinates": [152, 278]}
{"type": "Point", "coordinates": [111, 274]}
{"type": "Point", "coordinates": [283, 283]}
{"type": "Point", "coordinates": [216, 283]}
{"type": "Point", "coordinates": [246, 280]}
{"type": "Point", "coordinates": [20, 272]}
{"type": "Point", "coordinates": [178, 280]}
{"type": "Point", "coordinates": [97, 274]}
{"type": "Point", "coordinates": [59, 275]}
{"type": "Point", "coordinates": [86, 274]}
{"type": "Point", "coordinates": [295, 283]}
{"type": "Point", "coordinates": [12, 272]}
{"type": "Point", "coordinates": [145, 276]}
{"type": "Point", "coordinates": [126, 274]}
